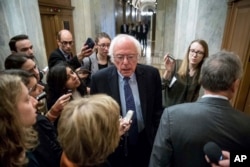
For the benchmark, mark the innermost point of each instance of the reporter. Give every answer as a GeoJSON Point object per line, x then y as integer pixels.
{"type": "Point", "coordinates": [48, 151]}
{"type": "Point", "coordinates": [61, 80]}
{"type": "Point", "coordinates": [180, 78]}
{"type": "Point", "coordinates": [18, 114]}
{"type": "Point", "coordinates": [64, 51]}
{"type": "Point", "coordinates": [94, 122]}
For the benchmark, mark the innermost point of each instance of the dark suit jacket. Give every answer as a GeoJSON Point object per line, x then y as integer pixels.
{"type": "Point", "coordinates": [186, 128]}
{"type": "Point", "coordinates": [48, 152]}
{"type": "Point", "coordinates": [122, 29]}
{"type": "Point", "coordinates": [57, 56]}
{"type": "Point", "coordinates": [149, 86]}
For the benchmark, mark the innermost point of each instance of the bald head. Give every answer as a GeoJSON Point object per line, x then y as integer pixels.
{"type": "Point", "coordinates": [65, 41]}
{"type": "Point", "coordinates": [63, 33]}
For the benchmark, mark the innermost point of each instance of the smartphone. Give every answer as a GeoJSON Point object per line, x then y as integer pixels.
{"type": "Point", "coordinates": [70, 91]}
{"type": "Point", "coordinates": [90, 43]}
{"type": "Point", "coordinates": [129, 115]}
{"type": "Point", "coordinates": [41, 96]}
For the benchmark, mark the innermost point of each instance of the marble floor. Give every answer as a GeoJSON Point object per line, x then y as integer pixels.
{"type": "Point", "coordinates": [152, 57]}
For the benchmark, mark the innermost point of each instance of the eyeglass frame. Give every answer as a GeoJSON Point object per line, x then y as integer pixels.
{"type": "Point", "coordinates": [104, 45]}
{"type": "Point", "coordinates": [65, 43]}
{"type": "Point", "coordinates": [129, 58]}
{"type": "Point", "coordinates": [199, 53]}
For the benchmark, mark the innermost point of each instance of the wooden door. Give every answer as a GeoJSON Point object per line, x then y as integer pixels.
{"type": "Point", "coordinates": [237, 39]}
{"type": "Point", "coordinates": [55, 16]}
{"type": "Point", "coordinates": [49, 32]}
{"type": "Point", "coordinates": [247, 83]}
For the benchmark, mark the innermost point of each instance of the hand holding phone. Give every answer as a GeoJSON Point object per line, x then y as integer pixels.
{"type": "Point", "coordinates": [129, 115]}
{"type": "Point", "coordinates": [69, 91]}
{"type": "Point", "coordinates": [90, 43]}
{"type": "Point", "coordinates": [171, 57]}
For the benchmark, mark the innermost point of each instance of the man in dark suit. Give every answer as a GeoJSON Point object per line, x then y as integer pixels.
{"type": "Point", "coordinates": [185, 128]}
{"type": "Point", "coordinates": [22, 44]}
{"type": "Point", "coordinates": [124, 28]}
{"type": "Point", "coordinates": [144, 34]}
{"type": "Point", "coordinates": [64, 51]}
{"type": "Point", "coordinates": [139, 31]}
{"type": "Point", "coordinates": [145, 83]}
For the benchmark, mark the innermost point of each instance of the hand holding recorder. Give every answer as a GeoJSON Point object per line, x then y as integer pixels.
{"type": "Point", "coordinates": [125, 122]}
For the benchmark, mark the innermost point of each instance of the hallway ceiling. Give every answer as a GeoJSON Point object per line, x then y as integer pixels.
{"type": "Point", "coordinates": [146, 5]}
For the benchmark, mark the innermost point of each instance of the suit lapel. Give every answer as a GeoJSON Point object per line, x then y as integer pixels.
{"type": "Point", "coordinates": [60, 52]}
{"type": "Point", "coordinates": [140, 77]}
{"type": "Point", "coordinates": [113, 84]}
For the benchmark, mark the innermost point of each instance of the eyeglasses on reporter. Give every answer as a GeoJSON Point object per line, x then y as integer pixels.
{"type": "Point", "coordinates": [104, 45]}
{"type": "Point", "coordinates": [65, 43]}
{"type": "Point", "coordinates": [199, 53]}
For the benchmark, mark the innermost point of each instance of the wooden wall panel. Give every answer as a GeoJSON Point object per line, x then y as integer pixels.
{"type": "Point", "coordinates": [237, 39]}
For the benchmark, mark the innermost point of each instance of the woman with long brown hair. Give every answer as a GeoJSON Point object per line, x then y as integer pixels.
{"type": "Point", "coordinates": [180, 78]}
{"type": "Point", "coordinates": [17, 116]}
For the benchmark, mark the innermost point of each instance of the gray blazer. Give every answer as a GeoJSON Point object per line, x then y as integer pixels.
{"type": "Point", "coordinates": [185, 128]}
{"type": "Point", "coordinates": [91, 63]}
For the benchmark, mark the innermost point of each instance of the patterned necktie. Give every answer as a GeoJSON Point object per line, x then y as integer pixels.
{"type": "Point", "coordinates": [130, 105]}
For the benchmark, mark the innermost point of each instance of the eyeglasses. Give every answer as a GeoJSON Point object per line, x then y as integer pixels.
{"type": "Point", "coordinates": [122, 57]}
{"type": "Point", "coordinates": [65, 43]}
{"type": "Point", "coordinates": [104, 45]}
{"type": "Point", "coordinates": [199, 53]}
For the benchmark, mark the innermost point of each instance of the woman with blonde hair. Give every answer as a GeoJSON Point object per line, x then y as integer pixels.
{"type": "Point", "coordinates": [17, 115]}
{"type": "Point", "coordinates": [89, 130]}
{"type": "Point", "coordinates": [180, 78]}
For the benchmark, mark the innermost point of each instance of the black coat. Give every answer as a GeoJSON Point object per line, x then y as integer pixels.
{"type": "Point", "coordinates": [57, 56]}
{"type": "Point", "coordinates": [149, 87]}
{"type": "Point", "coordinates": [48, 152]}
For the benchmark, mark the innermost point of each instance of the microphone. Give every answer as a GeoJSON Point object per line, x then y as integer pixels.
{"type": "Point", "coordinates": [213, 151]}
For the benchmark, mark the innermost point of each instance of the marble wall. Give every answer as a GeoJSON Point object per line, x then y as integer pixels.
{"type": "Point", "coordinates": [21, 17]}
{"type": "Point", "coordinates": [165, 26]}
{"type": "Point", "coordinates": [91, 17]}
{"type": "Point", "coordinates": [179, 22]}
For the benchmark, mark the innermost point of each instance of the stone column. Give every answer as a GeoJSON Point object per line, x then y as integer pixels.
{"type": "Point", "coordinates": [92, 17]}
{"type": "Point", "coordinates": [179, 22]}
{"type": "Point", "coordinates": [199, 19]}
{"type": "Point", "coordinates": [165, 26]}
